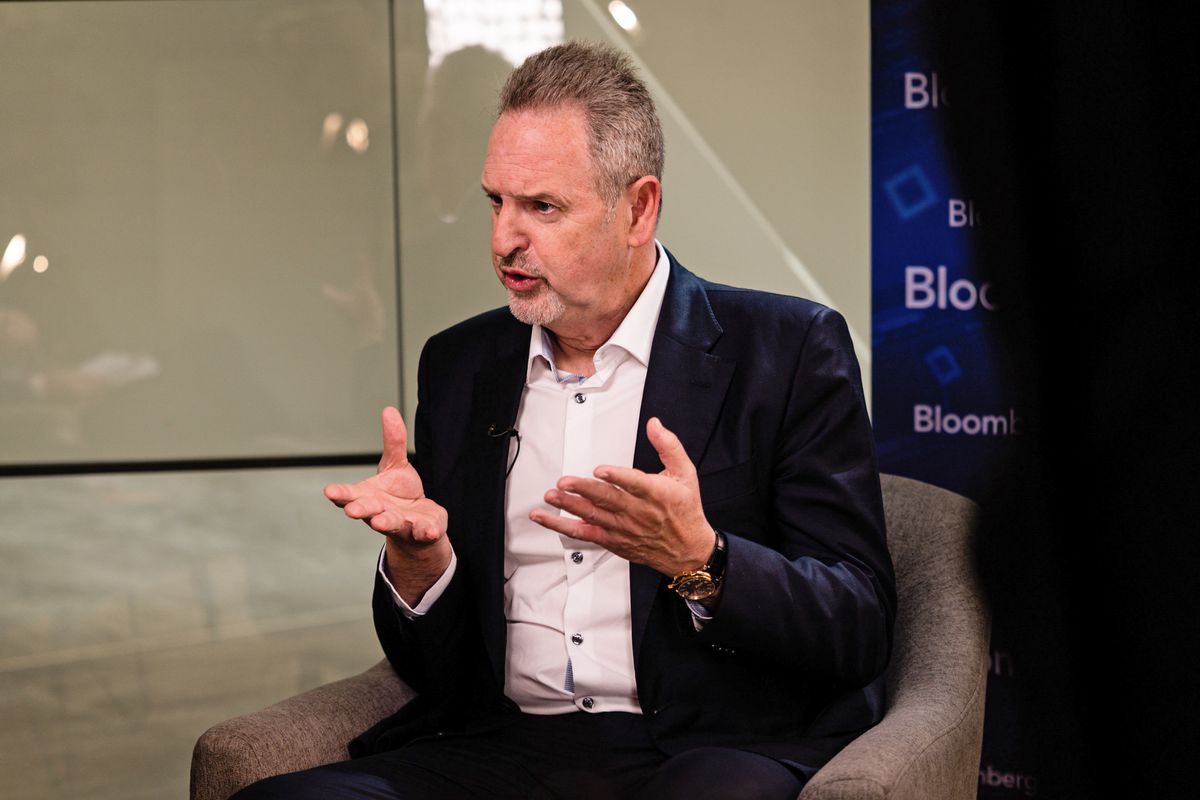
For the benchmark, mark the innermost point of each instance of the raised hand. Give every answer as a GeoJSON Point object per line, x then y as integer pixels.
{"type": "Point", "coordinates": [651, 519]}
{"type": "Point", "coordinates": [393, 502]}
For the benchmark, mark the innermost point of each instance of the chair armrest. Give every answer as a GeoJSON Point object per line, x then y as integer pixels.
{"type": "Point", "coordinates": [920, 751]}
{"type": "Point", "coordinates": [927, 746]}
{"type": "Point", "coordinates": [304, 731]}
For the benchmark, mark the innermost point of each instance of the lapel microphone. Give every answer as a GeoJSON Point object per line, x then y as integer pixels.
{"type": "Point", "coordinates": [497, 434]}
{"type": "Point", "coordinates": [493, 433]}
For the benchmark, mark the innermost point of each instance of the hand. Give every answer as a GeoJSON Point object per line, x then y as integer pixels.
{"type": "Point", "coordinates": [393, 502]}
{"type": "Point", "coordinates": [656, 520]}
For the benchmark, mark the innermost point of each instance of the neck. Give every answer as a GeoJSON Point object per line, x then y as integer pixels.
{"type": "Point", "coordinates": [577, 356]}
{"type": "Point", "coordinates": [576, 346]}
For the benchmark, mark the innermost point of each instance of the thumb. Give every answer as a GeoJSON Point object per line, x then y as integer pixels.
{"type": "Point", "coordinates": [669, 449]}
{"type": "Point", "coordinates": [395, 440]}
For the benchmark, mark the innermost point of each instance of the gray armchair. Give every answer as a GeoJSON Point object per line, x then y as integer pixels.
{"type": "Point", "coordinates": [926, 747]}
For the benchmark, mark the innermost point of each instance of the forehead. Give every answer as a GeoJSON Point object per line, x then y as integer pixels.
{"type": "Point", "coordinates": [538, 150]}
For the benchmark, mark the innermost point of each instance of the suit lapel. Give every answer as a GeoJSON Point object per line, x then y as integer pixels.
{"type": "Point", "coordinates": [685, 388]}
{"type": "Point", "coordinates": [494, 403]}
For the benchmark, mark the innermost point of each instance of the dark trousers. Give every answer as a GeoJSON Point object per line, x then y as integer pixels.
{"type": "Point", "coordinates": [577, 756]}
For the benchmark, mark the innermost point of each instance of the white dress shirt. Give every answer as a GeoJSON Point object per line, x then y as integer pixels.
{"type": "Point", "coordinates": [570, 645]}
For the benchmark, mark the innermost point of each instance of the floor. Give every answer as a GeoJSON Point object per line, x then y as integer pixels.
{"type": "Point", "coordinates": [138, 610]}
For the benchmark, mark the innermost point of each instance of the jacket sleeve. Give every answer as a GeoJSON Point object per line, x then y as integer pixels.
{"type": "Point", "coordinates": [814, 589]}
{"type": "Point", "coordinates": [440, 653]}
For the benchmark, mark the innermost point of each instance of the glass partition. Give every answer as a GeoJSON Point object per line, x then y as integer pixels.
{"type": "Point", "coordinates": [198, 222]}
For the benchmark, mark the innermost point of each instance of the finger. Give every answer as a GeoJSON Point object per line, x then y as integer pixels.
{"type": "Point", "coordinates": [581, 507]}
{"type": "Point", "coordinates": [363, 507]}
{"type": "Point", "coordinates": [340, 493]}
{"type": "Point", "coordinates": [669, 449]}
{"type": "Point", "coordinates": [426, 530]}
{"type": "Point", "coordinates": [576, 529]}
{"type": "Point", "coordinates": [602, 493]}
{"type": "Point", "coordinates": [629, 480]}
{"type": "Point", "coordinates": [395, 440]}
{"type": "Point", "coordinates": [391, 523]}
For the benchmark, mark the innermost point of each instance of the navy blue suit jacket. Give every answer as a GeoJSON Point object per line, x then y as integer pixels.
{"type": "Point", "coordinates": [764, 391]}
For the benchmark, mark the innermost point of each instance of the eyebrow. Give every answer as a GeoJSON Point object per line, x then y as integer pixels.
{"type": "Point", "coordinates": [541, 197]}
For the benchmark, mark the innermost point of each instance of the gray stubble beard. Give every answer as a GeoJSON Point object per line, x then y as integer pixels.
{"type": "Point", "coordinates": [540, 307]}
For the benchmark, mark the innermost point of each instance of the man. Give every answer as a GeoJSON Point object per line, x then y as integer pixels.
{"type": "Point", "coordinates": [644, 554]}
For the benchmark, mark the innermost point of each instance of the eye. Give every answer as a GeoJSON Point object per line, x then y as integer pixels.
{"type": "Point", "coordinates": [542, 207]}
{"type": "Point", "coordinates": [494, 200]}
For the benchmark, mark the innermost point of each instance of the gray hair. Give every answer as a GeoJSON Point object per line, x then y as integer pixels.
{"type": "Point", "coordinates": [625, 139]}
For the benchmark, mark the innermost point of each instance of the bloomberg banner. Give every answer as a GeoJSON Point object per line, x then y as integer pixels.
{"type": "Point", "coordinates": [942, 410]}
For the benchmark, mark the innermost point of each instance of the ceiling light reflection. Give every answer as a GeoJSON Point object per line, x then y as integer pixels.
{"type": "Point", "coordinates": [516, 29]}
{"type": "Point", "coordinates": [358, 136]}
{"type": "Point", "coordinates": [330, 128]}
{"type": "Point", "coordinates": [41, 264]}
{"type": "Point", "coordinates": [623, 15]}
{"type": "Point", "coordinates": [14, 256]}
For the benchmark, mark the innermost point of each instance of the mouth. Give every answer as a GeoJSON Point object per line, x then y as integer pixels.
{"type": "Point", "coordinates": [516, 280]}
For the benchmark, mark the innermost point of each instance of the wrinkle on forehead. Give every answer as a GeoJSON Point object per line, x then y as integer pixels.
{"type": "Point", "coordinates": [538, 151]}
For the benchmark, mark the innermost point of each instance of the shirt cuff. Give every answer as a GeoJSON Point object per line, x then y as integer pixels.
{"type": "Point", "coordinates": [431, 595]}
{"type": "Point", "coordinates": [700, 614]}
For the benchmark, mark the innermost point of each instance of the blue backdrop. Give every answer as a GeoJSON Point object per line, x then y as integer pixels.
{"type": "Point", "coordinates": [942, 410]}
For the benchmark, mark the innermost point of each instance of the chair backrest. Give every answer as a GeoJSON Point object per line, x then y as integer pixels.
{"type": "Point", "coordinates": [942, 622]}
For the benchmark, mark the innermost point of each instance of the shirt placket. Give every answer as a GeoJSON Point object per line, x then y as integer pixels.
{"type": "Point", "coordinates": [581, 559]}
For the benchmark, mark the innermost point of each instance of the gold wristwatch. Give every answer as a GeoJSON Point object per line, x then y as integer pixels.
{"type": "Point", "coordinates": [703, 583]}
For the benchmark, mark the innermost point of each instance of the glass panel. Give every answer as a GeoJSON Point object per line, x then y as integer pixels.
{"type": "Point", "coordinates": [136, 611]}
{"type": "Point", "coordinates": [197, 218]}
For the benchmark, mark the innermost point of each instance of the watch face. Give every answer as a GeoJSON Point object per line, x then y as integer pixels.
{"type": "Point", "coordinates": [695, 586]}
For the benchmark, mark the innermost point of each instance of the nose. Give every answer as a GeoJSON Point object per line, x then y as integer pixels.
{"type": "Point", "coordinates": [508, 234]}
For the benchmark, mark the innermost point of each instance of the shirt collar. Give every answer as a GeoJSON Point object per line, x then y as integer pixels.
{"type": "Point", "coordinates": [635, 334]}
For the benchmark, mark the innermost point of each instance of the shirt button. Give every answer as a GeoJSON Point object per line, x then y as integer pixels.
{"type": "Point", "coordinates": [580, 397]}
{"type": "Point", "coordinates": [577, 557]}
{"type": "Point", "coordinates": [576, 638]}
{"type": "Point", "coordinates": [588, 702]}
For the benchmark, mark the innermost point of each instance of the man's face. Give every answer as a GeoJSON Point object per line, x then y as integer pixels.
{"type": "Point", "coordinates": [560, 253]}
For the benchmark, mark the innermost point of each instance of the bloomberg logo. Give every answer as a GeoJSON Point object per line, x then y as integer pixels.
{"type": "Point", "coordinates": [932, 419]}
{"type": "Point", "coordinates": [962, 213]}
{"type": "Point", "coordinates": [1009, 780]}
{"type": "Point", "coordinates": [923, 91]}
{"type": "Point", "coordinates": [928, 288]}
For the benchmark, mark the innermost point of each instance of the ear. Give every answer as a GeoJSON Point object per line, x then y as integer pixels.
{"type": "Point", "coordinates": [644, 196]}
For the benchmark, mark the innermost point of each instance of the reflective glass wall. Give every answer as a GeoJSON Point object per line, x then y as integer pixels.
{"type": "Point", "coordinates": [198, 217]}
{"type": "Point", "coordinates": [226, 228]}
